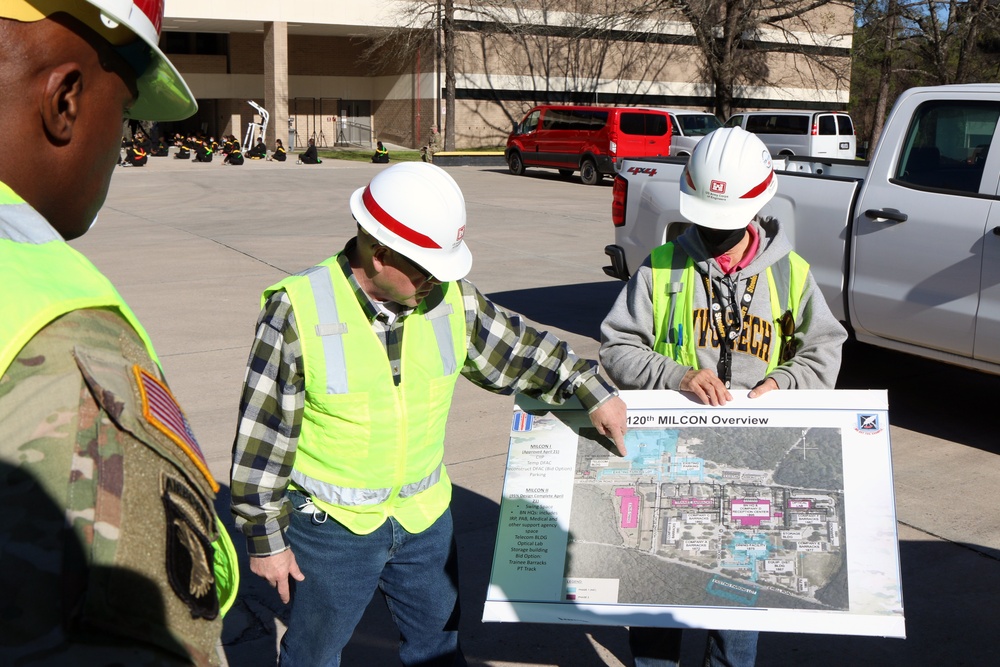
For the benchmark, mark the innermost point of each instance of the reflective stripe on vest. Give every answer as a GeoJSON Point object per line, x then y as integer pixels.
{"type": "Point", "coordinates": [674, 276]}
{"type": "Point", "coordinates": [330, 329]}
{"type": "Point", "coordinates": [347, 496]}
{"type": "Point", "coordinates": [368, 448]}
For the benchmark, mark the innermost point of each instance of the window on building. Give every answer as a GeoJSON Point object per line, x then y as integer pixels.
{"type": "Point", "coordinates": [195, 43]}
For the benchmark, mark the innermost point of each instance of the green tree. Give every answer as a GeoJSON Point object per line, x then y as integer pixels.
{"type": "Point", "coordinates": [904, 43]}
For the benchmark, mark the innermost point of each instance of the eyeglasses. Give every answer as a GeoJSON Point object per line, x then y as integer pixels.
{"type": "Point", "coordinates": [424, 273]}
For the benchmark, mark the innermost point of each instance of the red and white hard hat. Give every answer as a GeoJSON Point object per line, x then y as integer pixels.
{"type": "Point", "coordinates": [727, 180]}
{"type": "Point", "coordinates": [418, 210]}
{"type": "Point", "coordinates": [132, 27]}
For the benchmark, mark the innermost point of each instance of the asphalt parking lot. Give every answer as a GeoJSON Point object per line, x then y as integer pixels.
{"type": "Point", "coordinates": [191, 246]}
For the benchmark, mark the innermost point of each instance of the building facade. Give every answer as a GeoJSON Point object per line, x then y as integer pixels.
{"type": "Point", "coordinates": [348, 73]}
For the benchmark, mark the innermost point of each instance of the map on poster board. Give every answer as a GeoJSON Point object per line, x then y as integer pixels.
{"type": "Point", "coordinates": [774, 513]}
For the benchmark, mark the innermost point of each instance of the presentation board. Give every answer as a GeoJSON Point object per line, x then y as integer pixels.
{"type": "Point", "coordinates": [772, 514]}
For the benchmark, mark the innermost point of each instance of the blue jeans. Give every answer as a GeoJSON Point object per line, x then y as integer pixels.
{"type": "Point", "coordinates": [417, 574]}
{"type": "Point", "coordinates": [661, 647]}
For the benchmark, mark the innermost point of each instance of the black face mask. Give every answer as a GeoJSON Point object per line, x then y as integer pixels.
{"type": "Point", "coordinates": [718, 241]}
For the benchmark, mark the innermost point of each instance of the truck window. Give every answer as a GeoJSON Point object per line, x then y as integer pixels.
{"type": "Point", "coordinates": [845, 124]}
{"type": "Point", "coordinates": [646, 124]}
{"type": "Point", "coordinates": [735, 121]}
{"type": "Point", "coordinates": [947, 143]}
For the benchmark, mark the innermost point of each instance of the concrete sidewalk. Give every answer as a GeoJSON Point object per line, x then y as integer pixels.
{"type": "Point", "coordinates": [191, 245]}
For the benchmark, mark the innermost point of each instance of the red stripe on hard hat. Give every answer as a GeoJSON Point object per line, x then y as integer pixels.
{"type": "Point", "coordinates": [393, 225]}
{"type": "Point", "coordinates": [153, 9]}
{"type": "Point", "coordinates": [760, 188]}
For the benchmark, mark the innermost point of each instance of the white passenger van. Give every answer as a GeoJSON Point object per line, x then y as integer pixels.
{"type": "Point", "coordinates": [794, 132]}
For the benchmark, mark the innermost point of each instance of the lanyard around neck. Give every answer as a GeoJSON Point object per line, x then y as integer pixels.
{"type": "Point", "coordinates": [725, 329]}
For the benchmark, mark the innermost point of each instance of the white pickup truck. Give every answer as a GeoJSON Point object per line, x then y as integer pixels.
{"type": "Point", "coordinates": [906, 247]}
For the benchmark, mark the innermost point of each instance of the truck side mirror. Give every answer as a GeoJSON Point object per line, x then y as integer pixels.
{"type": "Point", "coordinates": [516, 129]}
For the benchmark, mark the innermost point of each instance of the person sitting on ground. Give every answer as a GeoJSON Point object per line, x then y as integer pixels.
{"type": "Point", "coordinates": [381, 155]}
{"type": "Point", "coordinates": [143, 141]}
{"type": "Point", "coordinates": [135, 156]}
{"type": "Point", "coordinates": [160, 150]}
{"type": "Point", "coordinates": [235, 156]}
{"type": "Point", "coordinates": [203, 152]}
{"type": "Point", "coordinates": [183, 148]}
{"type": "Point", "coordinates": [259, 151]}
{"type": "Point", "coordinates": [279, 152]}
{"type": "Point", "coordinates": [310, 156]}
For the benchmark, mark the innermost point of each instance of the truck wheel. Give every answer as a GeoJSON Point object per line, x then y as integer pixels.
{"type": "Point", "coordinates": [515, 164]}
{"type": "Point", "coordinates": [589, 174]}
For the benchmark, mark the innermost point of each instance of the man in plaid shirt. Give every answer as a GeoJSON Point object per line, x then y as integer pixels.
{"type": "Point", "coordinates": [338, 481]}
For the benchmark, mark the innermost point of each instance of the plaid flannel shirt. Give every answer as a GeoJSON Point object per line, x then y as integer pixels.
{"type": "Point", "coordinates": [504, 356]}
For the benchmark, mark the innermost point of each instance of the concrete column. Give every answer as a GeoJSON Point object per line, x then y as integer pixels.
{"type": "Point", "coordinates": [276, 82]}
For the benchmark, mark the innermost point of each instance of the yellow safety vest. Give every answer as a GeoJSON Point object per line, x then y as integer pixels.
{"type": "Point", "coordinates": [673, 289]}
{"type": "Point", "coordinates": [369, 449]}
{"type": "Point", "coordinates": [50, 280]}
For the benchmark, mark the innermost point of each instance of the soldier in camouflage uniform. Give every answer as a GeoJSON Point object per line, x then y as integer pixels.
{"type": "Point", "coordinates": [110, 549]}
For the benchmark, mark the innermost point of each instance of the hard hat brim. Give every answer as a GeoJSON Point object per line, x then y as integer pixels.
{"type": "Point", "coordinates": [713, 216]}
{"type": "Point", "coordinates": [446, 265]}
{"type": "Point", "coordinates": [163, 93]}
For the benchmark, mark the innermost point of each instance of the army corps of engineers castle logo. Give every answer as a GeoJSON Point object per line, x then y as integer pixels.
{"type": "Point", "coordinates": [868, 424]}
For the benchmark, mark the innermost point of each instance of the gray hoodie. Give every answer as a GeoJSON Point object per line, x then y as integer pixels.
{"type": "Point", "coordinates": [627, 332]}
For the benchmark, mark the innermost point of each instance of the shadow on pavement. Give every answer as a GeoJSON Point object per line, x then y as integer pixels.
{"type": "Point", "coordinates": [949, 595]}
{"type": "Point", "coordinates": [252, 626]}
{"type": "Point", "coordinates": [926, 396]}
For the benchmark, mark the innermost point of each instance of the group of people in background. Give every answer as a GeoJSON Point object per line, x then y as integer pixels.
{"type": "Point", "coordinates": [200, 148]}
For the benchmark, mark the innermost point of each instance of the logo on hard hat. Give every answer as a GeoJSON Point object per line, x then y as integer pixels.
{"type": "Point", "coordinates": [765, 159]}
{"type": "Point", "coordinates": [718, 187]}
{"type": "Point", "coordinates": [461, 234]}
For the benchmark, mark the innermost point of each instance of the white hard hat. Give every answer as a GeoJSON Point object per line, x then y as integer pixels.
{"type": "Point", "coordinates": [418, 210]}
{"type": "Point", "coordinates": [727, 180]}
{"type": "Point", "coordinates": [132, 27]}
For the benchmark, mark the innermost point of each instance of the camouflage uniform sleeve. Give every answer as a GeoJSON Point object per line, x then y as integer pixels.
{"type": "Point", "coordinates": [105, 544]}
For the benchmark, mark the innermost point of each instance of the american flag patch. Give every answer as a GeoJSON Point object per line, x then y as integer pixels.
{"type": "Point", "coordinates": [163, 413]}
{"type": "Point", "coordinates": [522, 421]}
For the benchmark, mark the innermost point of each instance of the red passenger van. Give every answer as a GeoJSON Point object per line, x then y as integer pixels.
{"type": "Point", "coordinates": [593, 140]}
